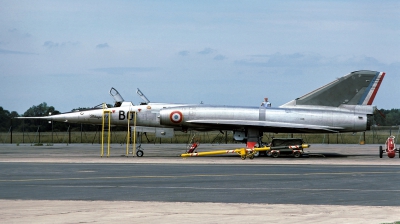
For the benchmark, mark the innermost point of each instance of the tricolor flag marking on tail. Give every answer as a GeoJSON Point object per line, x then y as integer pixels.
{"type": "Point", "coordinates": [369, 95]}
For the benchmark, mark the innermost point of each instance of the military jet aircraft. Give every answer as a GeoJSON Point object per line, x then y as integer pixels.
{"type": "Point", "coordinates": [344, 105]}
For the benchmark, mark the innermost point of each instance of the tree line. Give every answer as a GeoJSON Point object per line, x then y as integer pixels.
{"type": "Point", "coordinates": [32, 125]}
{"type": "Point", "coordinates": [382, 117]}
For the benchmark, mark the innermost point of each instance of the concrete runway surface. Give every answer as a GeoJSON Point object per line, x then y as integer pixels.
{"type": "Point", "coordinates": [72, 183]}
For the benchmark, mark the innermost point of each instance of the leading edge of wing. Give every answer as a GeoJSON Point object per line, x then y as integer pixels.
{"type": "Point", "coordinates": [266, 124]}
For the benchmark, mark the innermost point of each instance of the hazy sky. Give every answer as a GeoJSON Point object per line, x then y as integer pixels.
{"type": "Point", "coordinates": [70, 53]}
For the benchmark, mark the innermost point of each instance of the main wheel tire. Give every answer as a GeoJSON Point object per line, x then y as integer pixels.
{"type": "Point", "coordinates": [275, 154]}
{"type": "Point", "coordinates": [139, 153]}
{"type": "Point", "coordinates": [296, 154]}
{"type": "Point", "coordinates": [257, 153]}
{"type": "Point", "coordinates": [380, 151]}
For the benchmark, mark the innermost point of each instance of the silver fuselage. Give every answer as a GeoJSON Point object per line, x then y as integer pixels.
{"type": "Point", "coordinates": [289, 120]}
{"type": "Point", "coordinates": [204, 117]}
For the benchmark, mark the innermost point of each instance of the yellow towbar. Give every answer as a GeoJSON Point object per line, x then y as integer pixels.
{"type": "Point", "coordinates": [247, 153]}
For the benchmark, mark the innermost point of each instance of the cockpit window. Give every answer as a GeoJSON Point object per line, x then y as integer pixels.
{"type": "Point", "coordinates": [117, 97]}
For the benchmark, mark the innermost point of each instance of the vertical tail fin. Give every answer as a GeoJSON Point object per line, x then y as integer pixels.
{"type": "Point", "coordinates": [369, 95]}
{"type": "Point", "coordinates": [356, 88]}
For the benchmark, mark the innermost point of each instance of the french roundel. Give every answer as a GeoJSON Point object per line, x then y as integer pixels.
{"type": "Point", "coordinates": [176, 117]}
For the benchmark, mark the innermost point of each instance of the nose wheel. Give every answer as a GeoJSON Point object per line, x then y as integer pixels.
{"type": "Point", "coordinates": [139, 153]}
{"type": "Point", "coordinates": [139, 150]}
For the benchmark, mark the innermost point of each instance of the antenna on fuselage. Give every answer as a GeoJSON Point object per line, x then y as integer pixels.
{"type": "Point", "coordinates": [146, 101]}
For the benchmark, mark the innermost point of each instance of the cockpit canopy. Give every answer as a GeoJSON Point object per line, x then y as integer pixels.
{"type": "Point", "coordinates": [117, 97]}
